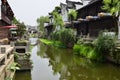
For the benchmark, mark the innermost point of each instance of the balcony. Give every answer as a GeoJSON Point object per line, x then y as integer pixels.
{"type": "Point", "coordinates": [6, 13]}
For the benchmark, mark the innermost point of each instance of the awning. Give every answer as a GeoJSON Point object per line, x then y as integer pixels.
{"type": "Point", "coordinates": [8, 27]}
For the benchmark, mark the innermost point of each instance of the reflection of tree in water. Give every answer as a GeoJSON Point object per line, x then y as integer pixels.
{"type": "Point", "coordinates": [71, 67]}
{"type": "Point", "coordinates": [41, 50]}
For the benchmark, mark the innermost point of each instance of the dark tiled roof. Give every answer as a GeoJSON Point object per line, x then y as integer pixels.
{"type": "Point", "coordinates": [75, 2]}
{"type": "Point", "coordinates": [90, 3]}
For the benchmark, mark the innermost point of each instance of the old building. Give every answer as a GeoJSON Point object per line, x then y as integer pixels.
{"type": "Point", "coordinates": [73, 4]}
{"type": "Point", "coordinates": [89, 19]}
{"type": "Point", "coordinates": [6, 17]}
{"type": "Point", "coordinates": [92, 19]}
{"type": "Point", "coordinates": [64, 11]}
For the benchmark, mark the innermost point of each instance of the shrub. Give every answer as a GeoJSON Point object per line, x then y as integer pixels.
{"type": "Point", "coordinates": [88, 52]}
{"type": "Point", "coordinates": [13, 67]}
{"type": "Point", "coordinates": [16, 56]}
{"type": "Point", "coordinates": [105, 43]}
{"type": "Point", "coordinates": [80, 41]}
{"type": "Point", "coordinates": [94, 55]}
{"type": "Point", "coordinates": [55, 35]}
{"type": "Point", "coordinates": [21, 43]}
{"type": "Point", "coordinates": [76, 48]}
{"type": "Point", "coordinates": [66, 36]}
{"type": "Point", "coordinates": [103, 46]}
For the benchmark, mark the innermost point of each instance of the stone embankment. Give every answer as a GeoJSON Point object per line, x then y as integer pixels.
{"type": "Point", "coordinates": [6, 60]}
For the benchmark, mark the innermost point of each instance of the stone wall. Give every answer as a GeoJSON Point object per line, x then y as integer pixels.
{"type": "Point", "coordinates": [6, 60]}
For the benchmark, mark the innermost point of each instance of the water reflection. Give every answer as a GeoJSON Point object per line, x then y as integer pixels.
{"type": "Point", "coordinates": [33, 41]}
{"type": "Point", "coordinates": [51, 63]}
{"type": "Point", "coordinates": [19, 75]}
{"type": "Point", "coordinates": [71, 67]}
{"type": "Point", "coordinates": [41, 69]}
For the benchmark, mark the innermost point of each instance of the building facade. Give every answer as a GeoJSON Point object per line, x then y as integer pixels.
{"type": "Point", "coordinates": [91, 22]}
{"type": "Point", "coordinates": [6, 17]}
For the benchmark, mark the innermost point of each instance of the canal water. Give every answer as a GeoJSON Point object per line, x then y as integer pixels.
{"type": "Point", "coordinates": [51, 63]}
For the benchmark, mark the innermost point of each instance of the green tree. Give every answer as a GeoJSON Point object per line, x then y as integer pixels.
{"type": "Point", "coordinates": [58, 21]}
{"type": "Point", "coordinates": [15, 21]}
{"type": "Point", "coordinates": [41, 21]}
{"type": "Point", "coordinates": [21, 27]}
{"type": "Point", "coordinates": [113, 7]}
{"type": "Point", "coordinates": [72, 14]}
{"type": "Point", "coordinates": [57, 18]}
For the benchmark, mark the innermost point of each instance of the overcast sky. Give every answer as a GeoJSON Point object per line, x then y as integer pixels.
{"type": "Point", "coordinates": [28, 11]}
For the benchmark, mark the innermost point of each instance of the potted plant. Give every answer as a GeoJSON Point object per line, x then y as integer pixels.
{"type": "Point", "coordinates": [21, 43]}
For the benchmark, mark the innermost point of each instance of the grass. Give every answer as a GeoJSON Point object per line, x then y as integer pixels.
{"type": "Point", "coordinates": [87, 52]}
{"type": "Point", "coordinates": [54, 43]}
{"type": "Point", "coordinates": [47, 42]}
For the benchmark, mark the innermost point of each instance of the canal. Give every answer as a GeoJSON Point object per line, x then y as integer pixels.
{"type": "Point", "coordinates": [51, 63]}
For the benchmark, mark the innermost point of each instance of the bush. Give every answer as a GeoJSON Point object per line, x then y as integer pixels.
{"type": "Point", "coordinates": [80, 41]}
{"type": "Point", "coordinates": [21, 43]}
{"type": "Point", "coordinates": [76, 48]}
{"type": "Point", "coordinates": [16, 56]}
{"type": "Point", "coordinates": [66, 36]}
{"type": "Point", "coordinates": [95, 56]}
{"type": "Point", "coordinates": [88, 52]}
{"type": "Point", "coordinates": [103, 46]}
{"type": "Point", "coordinates": [55, 35]}
{"type": "Point", "coordinates": [105, 43]}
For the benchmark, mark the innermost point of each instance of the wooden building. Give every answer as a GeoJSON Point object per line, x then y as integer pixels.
{"type": "Point", "coordinates": [89, 19]}
{"type": "Point", "coordinates": [92, 9]}
{"type": "Point", "coordinates": [90, 22]}
{"type": "Point", "coordinates": [6, 17]}
{"type": "Point", "coordinates": [70, 4]}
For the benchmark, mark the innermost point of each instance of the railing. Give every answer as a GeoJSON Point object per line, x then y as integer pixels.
{"type": "Point", "coordinates": [6, 60]}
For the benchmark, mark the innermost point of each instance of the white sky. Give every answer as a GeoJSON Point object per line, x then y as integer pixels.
{"type": "Point", "coordinates": [28, 11]}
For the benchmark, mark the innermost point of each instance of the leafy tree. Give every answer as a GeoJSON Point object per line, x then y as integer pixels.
{"type": "Point", "coordinates": [21, 27]}
{"type": "Point", "coordinates": [41, 21]}
{"type": "Point", "coordinates": [57, 9]}
{"type": "Point", "coordinates": [15, 21]}
{"type": "Point", "coordinates": [72, 14]}
{"type": "Point", "coordinates": [57, 18]}
{"type": "Point", "coordinates": [113, 7]}
{"type": "Point", "coordinates": [58, 21]}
